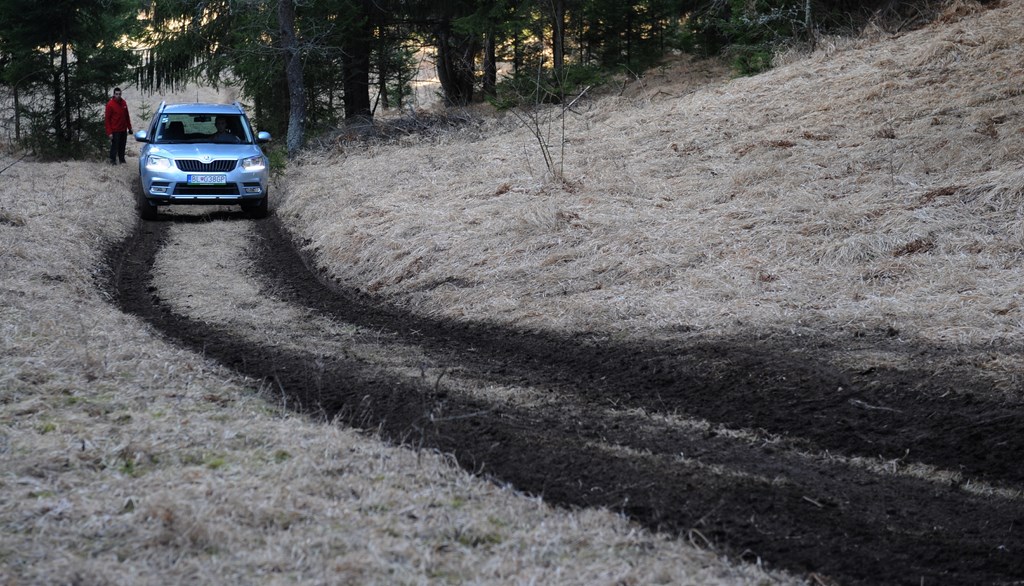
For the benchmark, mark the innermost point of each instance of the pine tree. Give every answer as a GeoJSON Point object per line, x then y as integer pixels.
{"type": "Point", "coordinates": [62, 59]}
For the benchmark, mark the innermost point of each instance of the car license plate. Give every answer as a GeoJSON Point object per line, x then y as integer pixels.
{"type": "Point", "coordinates": [207, 179]}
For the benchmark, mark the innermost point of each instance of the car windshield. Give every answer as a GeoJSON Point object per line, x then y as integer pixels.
{"type": "Point", "coordinates": [203, 128]}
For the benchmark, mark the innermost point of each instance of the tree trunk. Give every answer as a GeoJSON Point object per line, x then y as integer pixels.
{"type": "Point", "coordinates": [356, 74]}
{"type": "Point", "coordinates": [517, 54]}
{"type": "Point", "coordinates": [558, 36]}
{"type": "Point", "coordinates": [382, 75]}
{"type": "Point", "coordinates": [455, 67]}
{"type": "Point", "coordinates": [65, 73]}
{"type": "Point", "coordinates": [293, 73]}
{"type": "Point", "coordinates": [17, 115]}
{"type": "Point", "coordinates": [490, 65]}
{"type": "Point", "coordinates": [55, 88]}
{"type": "Point", "coordinates": [355, 65]}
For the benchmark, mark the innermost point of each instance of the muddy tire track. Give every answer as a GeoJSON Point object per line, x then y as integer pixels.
{"type": "Point", "coordinates": [609, 436]}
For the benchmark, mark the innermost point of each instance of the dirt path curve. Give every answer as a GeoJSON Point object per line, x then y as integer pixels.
{"type": "Point", "coordinates": [759, 448]}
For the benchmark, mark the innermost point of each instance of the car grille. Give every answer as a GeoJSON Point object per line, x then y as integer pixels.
{"type": "Point", "coordinates": [222, 190]}
{"type": "Point", "coordinates": [192, 165]}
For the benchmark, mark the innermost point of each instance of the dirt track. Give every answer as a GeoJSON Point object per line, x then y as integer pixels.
{"type": "Point", "coordinates": [754, 446]}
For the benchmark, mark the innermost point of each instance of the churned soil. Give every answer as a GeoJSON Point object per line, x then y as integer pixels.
{"type": "Point", "coordinates": [773, 471]}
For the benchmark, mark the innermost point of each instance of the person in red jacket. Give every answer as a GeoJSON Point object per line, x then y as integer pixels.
{"type": "Point", "coordinates": [118, 124]}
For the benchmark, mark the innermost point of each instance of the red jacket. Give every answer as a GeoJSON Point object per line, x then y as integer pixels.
{"type": "Point", "coordinates": [116, 116]}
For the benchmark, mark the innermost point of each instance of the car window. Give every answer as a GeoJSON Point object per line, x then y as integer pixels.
{"type": "Point", "coordinates": [202, 128]}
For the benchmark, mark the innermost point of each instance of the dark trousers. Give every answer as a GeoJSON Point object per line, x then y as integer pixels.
{"type": "Point", "coordinates": [118, 141]}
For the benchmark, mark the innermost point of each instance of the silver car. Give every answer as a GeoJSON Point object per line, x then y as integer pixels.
{"type": "Point", "coordinates": [202, 154]}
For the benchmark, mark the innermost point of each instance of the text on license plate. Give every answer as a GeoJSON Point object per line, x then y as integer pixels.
{"type": "Point", "coordinates": [207, 179]}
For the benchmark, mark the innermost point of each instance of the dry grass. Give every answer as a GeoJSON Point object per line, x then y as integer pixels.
{"type": "Point", "coordinates": [204, 272]}
{"type": "Point", "coordinates": [873, 184]}
{"type": "Point", "coordinates": [126, 460]}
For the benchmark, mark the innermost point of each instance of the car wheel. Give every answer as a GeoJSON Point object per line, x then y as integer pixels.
{"type": "Point", "coordinates": [147, 210]}
{"type": "Point", "coordinates": [258, 210]}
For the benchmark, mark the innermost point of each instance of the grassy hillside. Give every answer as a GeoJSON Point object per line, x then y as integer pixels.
{"type": "Point", "coordinates": [875, 185]}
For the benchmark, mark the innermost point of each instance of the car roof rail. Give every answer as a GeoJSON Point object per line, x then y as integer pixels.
{"type": "Point", "coordinates": [163, 104]}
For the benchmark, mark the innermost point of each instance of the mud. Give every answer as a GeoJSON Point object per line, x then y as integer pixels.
{"type": "Point", "coordinates": [793, 497]}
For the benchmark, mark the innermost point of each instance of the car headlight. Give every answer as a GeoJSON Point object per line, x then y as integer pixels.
{"type": "Point", "coordinates": [254, 163]}
{"type": "Point", "coordinates": [155, 163]}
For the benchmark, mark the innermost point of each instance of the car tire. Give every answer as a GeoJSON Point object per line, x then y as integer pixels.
{"type": "Point", "coordinates": [147, 210]}
{"type": "Point", "coordinates": [258, 210]}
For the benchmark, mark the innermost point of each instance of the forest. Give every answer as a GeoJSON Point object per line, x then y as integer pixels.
{"type": "Point", "coordinates": [326, 63]}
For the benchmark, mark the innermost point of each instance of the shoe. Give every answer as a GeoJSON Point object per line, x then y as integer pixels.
{"type": "Point", "coordinates": [123, 161]}
{"type": "Point", "coordinates": [113, 162]}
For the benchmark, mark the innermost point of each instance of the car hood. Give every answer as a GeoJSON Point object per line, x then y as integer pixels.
{"type": "Point", "coordinates": [204, 150]}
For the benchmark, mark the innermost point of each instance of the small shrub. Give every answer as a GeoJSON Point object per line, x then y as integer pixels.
{"type": "Point", "coordinates": [750, 60]}
{"type": "Point", "coordinates": [546, 88]}
{"type": "Point", "coordinates": [278, 160]}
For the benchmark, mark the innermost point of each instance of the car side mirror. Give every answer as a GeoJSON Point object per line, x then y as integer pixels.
{"type": "Point", "coordinates": [142, 136]}
{"type": "Point", "coordinates": [263, 136]}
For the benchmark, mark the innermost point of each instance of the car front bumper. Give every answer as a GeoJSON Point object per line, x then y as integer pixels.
{"type": "Point", "coordinates": [175, 188]}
